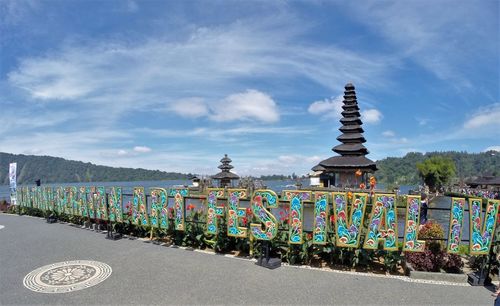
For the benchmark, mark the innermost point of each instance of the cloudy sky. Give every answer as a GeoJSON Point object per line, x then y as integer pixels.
{"type": "Point", "coordinates": [173, 85]}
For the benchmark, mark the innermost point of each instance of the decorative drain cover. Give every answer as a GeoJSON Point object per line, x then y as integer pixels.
{"type": "Point", "coordinates": [67, 276]}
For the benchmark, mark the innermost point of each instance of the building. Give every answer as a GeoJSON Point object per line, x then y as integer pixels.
{"type": "Point", "coordinates": [225, 178]}
{"type": "Point", "coordinates": [350, 168]}
{"type": "Point", "coordinates": [486, 182]}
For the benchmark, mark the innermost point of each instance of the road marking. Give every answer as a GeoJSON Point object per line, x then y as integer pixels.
{"type": "Point", "coordinates": [67, 276]}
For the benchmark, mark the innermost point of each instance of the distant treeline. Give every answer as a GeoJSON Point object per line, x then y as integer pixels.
{"type": "Point", "coordinates": [59, 170]}
{"type": "Point", "coordinates": [392, 170]}
{"type": "Point", "coordinates": [403, 170]}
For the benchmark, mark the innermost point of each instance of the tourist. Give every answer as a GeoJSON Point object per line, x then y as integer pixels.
{"type": "Point", "coordinates": [423, 209]}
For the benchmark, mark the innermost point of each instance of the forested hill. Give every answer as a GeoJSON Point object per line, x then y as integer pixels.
{"type": "Point", "coordinates": [403, 170]}
{"type": "Point", "coordinates": [59, 170]}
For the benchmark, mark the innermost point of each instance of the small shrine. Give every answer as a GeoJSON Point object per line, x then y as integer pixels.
{"type": "Point", "coordinates": [225, 178]}
{"type": "Point", "coordinates": [350, 168]}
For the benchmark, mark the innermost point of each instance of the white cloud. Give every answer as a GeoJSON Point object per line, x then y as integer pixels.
{"type": "Point", "coordinates": [142, 149]}
{"type": "Point", "coordinates": [246, 106]}
{"type": "Point", "coordinates": [371, 116]}
{"type": "Point", "coordinates": [190, 107]}
{"type": "Point", "coordinates": [332, 108]}
{"type": "Point", "coordinates": [289, 160]}
{"type": "Point", "coordinates": [251, 104]}
{"type": "Point", "coordinates": [388, 133]}
{"type": "Point", "coordinates": [122, 152]}
{"type": "Point", "coordinates": [492, 148]}
{"type": "Point", "coordinates": [440, 37]}
{"type": "Point", "coordinates": [488, 116]}
{"type": "Point", "coordinates": [327, 108]}
{"type": "Point", "coordinates": [212, 60]}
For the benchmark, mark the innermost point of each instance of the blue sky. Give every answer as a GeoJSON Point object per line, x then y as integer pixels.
{"type": "Point", "coordinates": [173, 85]}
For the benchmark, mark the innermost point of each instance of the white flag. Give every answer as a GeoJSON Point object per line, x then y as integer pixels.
{"type": "Point", "coordinates": [13, 183]}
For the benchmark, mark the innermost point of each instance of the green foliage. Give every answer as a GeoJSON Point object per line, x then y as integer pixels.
{"type": "Point", "coordinates": [394, 171]}
{"type": "Point", "coordinates": [436, 171]}
{"type": "Point", "coordinates": [434, 258]}
{"type": "Point", "coordinates": [58, 170]}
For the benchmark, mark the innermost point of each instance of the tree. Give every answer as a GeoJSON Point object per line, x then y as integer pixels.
{"type": "Point", "coordinates": [436, 171]}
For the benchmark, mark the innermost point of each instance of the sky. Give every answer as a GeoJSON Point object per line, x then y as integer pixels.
{"type": "Point", "coordinates": [175, 85]}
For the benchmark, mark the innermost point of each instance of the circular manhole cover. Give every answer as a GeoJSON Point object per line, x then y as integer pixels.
{"type": "Point", "coordinates": [67, 276]}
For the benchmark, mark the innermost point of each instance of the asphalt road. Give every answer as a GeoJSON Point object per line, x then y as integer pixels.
{"type": "Point", "coordinates": [144, 273]}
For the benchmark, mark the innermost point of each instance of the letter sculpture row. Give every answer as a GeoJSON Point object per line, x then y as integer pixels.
{"type": "Point", "coordinates": [348, 214]}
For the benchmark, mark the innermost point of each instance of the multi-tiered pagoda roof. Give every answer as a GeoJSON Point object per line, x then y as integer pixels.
{"type": "Point", "coordinates": [226, 170]}
{"type": "Point", "coordinates": [351, 150]}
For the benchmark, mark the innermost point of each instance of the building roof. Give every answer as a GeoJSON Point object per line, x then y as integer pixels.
{"type": "Point", "coordinates": [350, 149]}
{"type": "Point", "coordinates": [351, 137]}
{"type": "Point", "coordinates": [354, 162]}
{"type": "Point", "coordinates": [485, 180]}
{"type": "Point", "coordinates": [225, 167]}
{"type": "Point", "coordinates": [225, 175]}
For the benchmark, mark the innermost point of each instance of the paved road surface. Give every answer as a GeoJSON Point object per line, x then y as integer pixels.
{"type": "Point", "coordinates": [150, 274]}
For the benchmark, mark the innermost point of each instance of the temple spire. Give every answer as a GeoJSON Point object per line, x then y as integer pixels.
{"type": "Point", "coordinates": [352, 133]}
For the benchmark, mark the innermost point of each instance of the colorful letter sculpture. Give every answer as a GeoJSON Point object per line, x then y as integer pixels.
{"type": "Point", "coordinates": [263, 215]}
{"type": "Point", "coordinates": [320, 232]}
{"type": "Point", "coordinates": [411, 242]}
{"type": "Point", "coordinates": [383, 224]}
{"type": "Point", "coordinates": [91, 202]}
{"type": "Point", "coordinates": [296, 198]}
{"type": "Point", "coordinates": [159, 208]}
{"type": "Point", "coordinates": [139, 212]}
{"type": "Point", "coordinates": [234, 213]}
{"type": "Point", "coordinates": [456, 223]}
{"type": "Point", "coordinates": [348, 225]}
{"type": "Point", "coordinates": [348, 214]}
{"type": "Point", "coordinates": [179, 194]}
{"type": "Point", "coordinates": [214, 211]}
{"type": "Point", "coordinates": [482, 236]}
{"type": "Point", "coordinates": [115, 205]}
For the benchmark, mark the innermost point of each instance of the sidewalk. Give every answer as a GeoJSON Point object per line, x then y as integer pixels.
{"type": "Point", "coordinates": [144, 273]}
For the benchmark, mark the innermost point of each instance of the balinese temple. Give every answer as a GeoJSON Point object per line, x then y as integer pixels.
{"type": "Point", "coordinates": [350, 168]}
{"type": "Point", "coordinates": [225, 178]}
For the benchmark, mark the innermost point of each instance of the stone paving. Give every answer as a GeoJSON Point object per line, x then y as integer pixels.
{"type": "Point", "coordinates": [67, 265]}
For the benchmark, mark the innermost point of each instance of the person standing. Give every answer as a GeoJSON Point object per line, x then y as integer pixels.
{"type": "Point", "coordinates": [423, 209]}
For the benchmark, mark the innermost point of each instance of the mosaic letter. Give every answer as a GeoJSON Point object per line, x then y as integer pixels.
{"type": "Point", "coordinates": [411, 242]}
{"type": "Point", "coordinates": [383, 211]}
{"type": "Point", "coordinates": [159, 208]}
{"type": "Point", "coordinates": [115, 205]}
{"type": "Point", "coordinates": [348, 224]}
{"type": "Point", "coordinates": [179, 194]}
{"type": "Point", "coordinates": [73, 196]}
{"type": "Point", "coordinates": [140, 213]}
{"type": "Point", "coordinates": [234, 213]}
{"type": "Point", "coordinates": [296, 218]}
{"type": "Point", "coordinates": [482, 236]}
{"type": "Point", "coordinates": [213, 211]}
{"type": "Point", "coordinates": [263, 215]}
{"type": "Point", "coordinates": [82, 199]}
{"type": "Point", "coordinates": [456, 224]}
{"type": "Point", "coordinates": [91, 201]}
{"type": "Point", "coordinates": [320, 217]}
{"type": "Point", "coordinates": [100, 204]}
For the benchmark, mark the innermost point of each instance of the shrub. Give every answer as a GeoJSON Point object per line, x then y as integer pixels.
{"type": "Point", "coordinates": [425, 261]}
{"type": "Point", "coordinates": [453, 263]}
{"type": "Point", "coordinates": [429, 231]}
{"type": "Point", "coordinates": [434, 258]}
